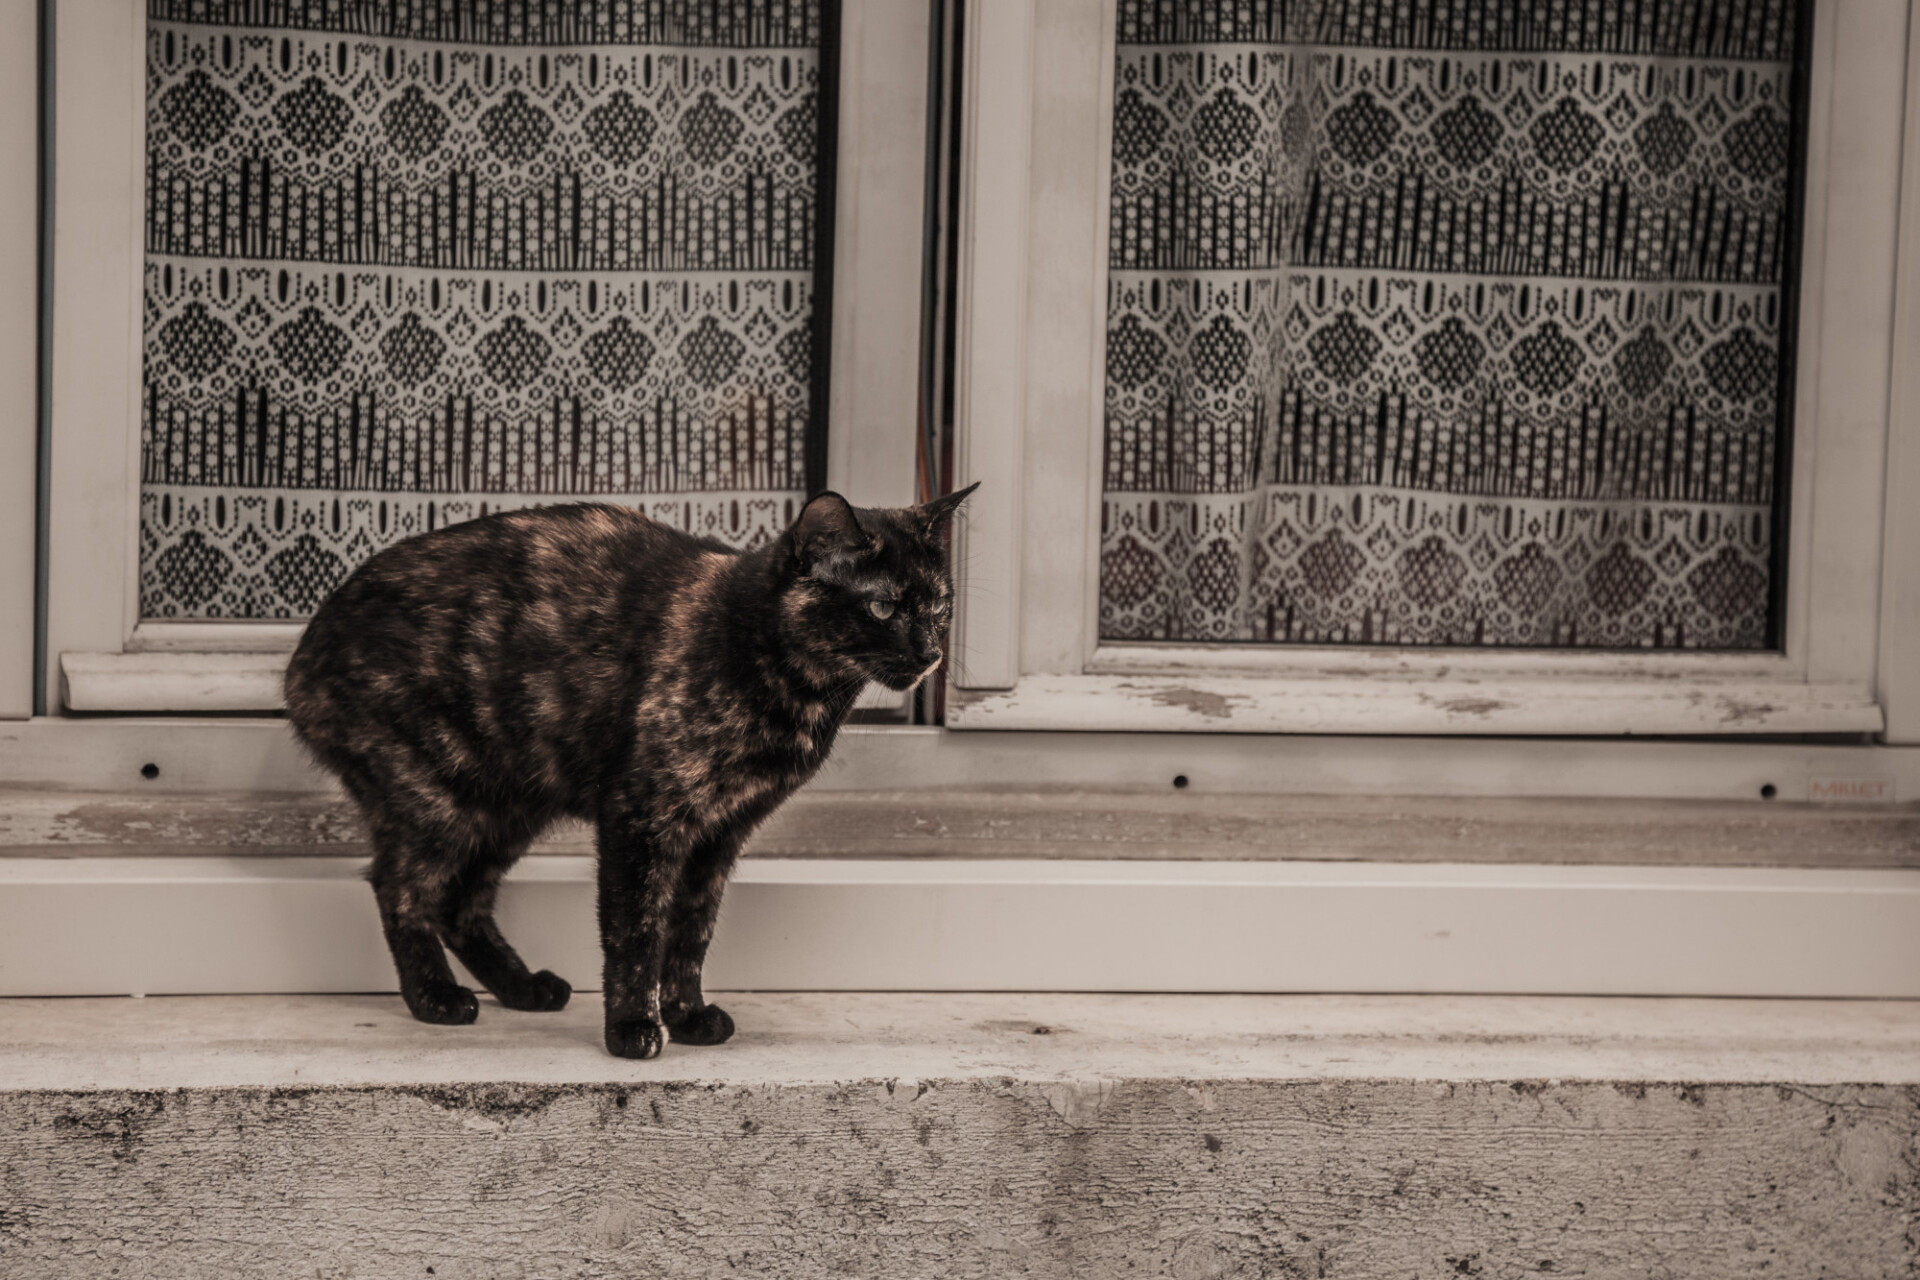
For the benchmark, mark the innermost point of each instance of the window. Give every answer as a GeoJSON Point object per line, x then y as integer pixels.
{"type": "Point", "coordinates": [1037, 277]}
{"type": "Point", "coordinates": [331, 349]}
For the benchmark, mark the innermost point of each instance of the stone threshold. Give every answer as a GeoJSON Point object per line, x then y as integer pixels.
{"type": "Point", "coordinates": [814, 1038]}
{"type": "Point", "coordinates": [988, 823]}
{"type": "Point", "coordinates": [966, 1135]}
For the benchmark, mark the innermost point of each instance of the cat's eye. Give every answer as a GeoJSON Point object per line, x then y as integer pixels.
{"type": "Point", "coordinates": [881, 609]}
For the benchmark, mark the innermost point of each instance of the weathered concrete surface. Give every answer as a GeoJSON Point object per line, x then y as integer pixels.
{"type": "Point", "coordinates": [822, 1038]}
{"type": "Point", "coordinates": [906, 1136]}
{"type": "Point", "coordinates": [965, 1178]}
{"type": "Point", "coordinates": [1065, 824]}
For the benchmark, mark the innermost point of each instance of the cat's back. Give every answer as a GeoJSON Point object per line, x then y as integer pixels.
{"type": "Point", "coordinates": [510, 594]}
{"type": "Point", "coordinates": [518, 554]}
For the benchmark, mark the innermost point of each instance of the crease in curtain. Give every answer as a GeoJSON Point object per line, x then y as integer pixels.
{"type": "Point", "coordinates": [1449, 323]}
{"type": "Point", "coordinates": [411, 262]}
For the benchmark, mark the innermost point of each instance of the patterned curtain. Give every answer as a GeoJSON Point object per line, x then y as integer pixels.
{"type": "Point", "coordinates": [409, 261]}
{"type": "Point", "coordinates": [1447, 322]}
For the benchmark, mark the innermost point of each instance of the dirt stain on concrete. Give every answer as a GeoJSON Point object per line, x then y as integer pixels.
{"type": "Point", "coordinates": [497, 1102]}
{"type": "Point", "coordinates": [117, 1121]}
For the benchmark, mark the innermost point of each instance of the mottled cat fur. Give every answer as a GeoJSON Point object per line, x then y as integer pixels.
{"type": "Point", "coordinates": [471, 685]}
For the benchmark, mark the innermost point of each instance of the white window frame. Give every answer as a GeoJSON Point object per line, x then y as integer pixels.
{"type": "Point", "coordinates": [107, 657]}
{"type": "Point", "coordinates": [1017, 625]}
{"type": "Point", "coordinates": [1899, 665]}
{"type": "Point", "coordinates": [1033, 324]}
{"type": "Point", "coordinates": [19, 347]}
{"type": "Point", "coordinates": [1034, 174]}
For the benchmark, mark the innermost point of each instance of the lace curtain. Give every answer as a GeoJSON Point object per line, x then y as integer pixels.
{"type": "Point", "coordinates": [410, 262]}
{"type": "Point", "coordinates": [1447, 323]}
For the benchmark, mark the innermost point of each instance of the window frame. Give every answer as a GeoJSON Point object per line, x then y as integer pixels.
{"type": "Point", "coordinates": [20, 207]}
{"type": "Point", "coordinates": [1031, 657]}
{"type": "Point", "coordinates": [103, 655]}
{"type": "Point", "coordinates": [1030, 349]}
{"type": "Point", "coordinates": [1899, 665]}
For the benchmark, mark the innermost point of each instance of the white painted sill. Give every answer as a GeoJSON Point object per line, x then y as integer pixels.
{"type": "Point", "coordinates": [98, 926]}
{"type": "Point", "coordinates": [237, 667]}
{"type": "Point", "coordinates": [1360, 701]}
{"type": "Point", "coordinates": [154, 682]}
{"type": "Point", "coordinates": [257, 754]}
{"type": "Point", "coordinates": [220, 667]}
{"type": "Point", "coordinates": [1179, 889]}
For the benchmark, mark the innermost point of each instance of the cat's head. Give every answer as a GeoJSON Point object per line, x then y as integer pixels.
{"type": "Point", "coordinates": [869, 588]}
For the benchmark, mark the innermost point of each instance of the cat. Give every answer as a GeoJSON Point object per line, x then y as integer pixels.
{"type": "Point", "coordinates": [471, 685]}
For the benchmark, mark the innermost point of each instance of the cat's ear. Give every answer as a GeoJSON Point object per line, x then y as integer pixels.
{"type": "Point", "coordinates": [828, 530]}
{"type": "Point", "coordinates": [934, 515]}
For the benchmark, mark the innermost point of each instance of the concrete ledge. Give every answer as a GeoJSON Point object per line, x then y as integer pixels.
{"type": "Point", "coordinates": [966, 1135]}
{"type": "Point", "coordinates": [206, 1042]}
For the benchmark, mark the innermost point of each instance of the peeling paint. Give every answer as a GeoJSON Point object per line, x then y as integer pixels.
{"type": "Point", "coordinates": [1481, 707]}
{"type": "Point", "coordinates": [1214, 706]}
{"type": "Point", "coordinates": [1733, 711]}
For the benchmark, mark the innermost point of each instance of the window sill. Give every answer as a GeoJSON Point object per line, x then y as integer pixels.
{"type": "Point", "coordinates": [1056, 824]}
{"type": "Point", "coordinates": [1176, 891]}
{"type": "Point", "coordinates": [163, 678]}
{"type": "Point", "coordinates": [97, 926]}
{"type": "Point", "coordinates": [1367, 703]}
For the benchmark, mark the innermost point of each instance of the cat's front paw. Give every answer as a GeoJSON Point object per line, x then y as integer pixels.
{"type": "Point", "coordinates": [443, 1003]}
{"type": "Point", "coordinates": [709, 1024]}
{"type": "Point", "coordinates": [635, 1038]}
{"type": "Point", "coordinates": [551, 991]}
{"type": "Point", "coordinates": [543, 992]}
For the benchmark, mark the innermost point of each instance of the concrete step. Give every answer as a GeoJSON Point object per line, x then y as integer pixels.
{"type": "Point", "coordinates": [966, 1135]}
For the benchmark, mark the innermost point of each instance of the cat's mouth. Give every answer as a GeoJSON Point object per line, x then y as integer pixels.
{"type": "Point", "coordinates": [902, 679]}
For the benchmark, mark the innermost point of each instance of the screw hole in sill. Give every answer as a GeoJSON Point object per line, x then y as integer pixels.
{"type": "Point", "coordinates": [1769, 791]}
{"type": "Point", "coordinates": [149, 771]}
{"type": "Point", "coordinates": [1179, 780]}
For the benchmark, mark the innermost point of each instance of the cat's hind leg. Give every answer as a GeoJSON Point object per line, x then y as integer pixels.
{"type": "Point", "coordinates": [468, 925]}
{"type": "Point", "coordinates": [409, 878]}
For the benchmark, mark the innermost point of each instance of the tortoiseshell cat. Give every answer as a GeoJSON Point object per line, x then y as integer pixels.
{"type": "Point", "coordinates": [473, 684]}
